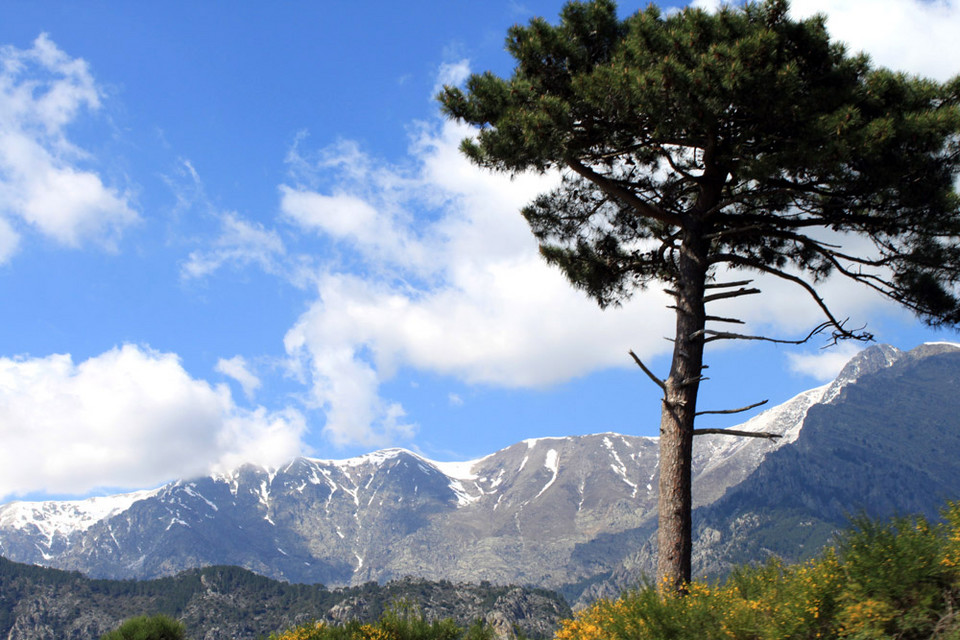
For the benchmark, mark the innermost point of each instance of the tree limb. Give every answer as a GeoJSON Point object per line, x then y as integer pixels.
{"type": "Point", "coordinates": [729, 411]}
{"type": "Point", "coordinates": [734, 432]}
{"type": "Point", "coordinates": [726, 285]}
{"type": "Point", "coordinates": [726, 335]}
{"type": "Point", "coordinates": [625, 195]}
{"type": "Point", "coordinates": [730, 294]}
{"type": "Point", "coordinates": [721, 319]}
{"type": "Point", "coordinates": [660, 383]}
{"type": "Point", "coordinates": [839, 331]}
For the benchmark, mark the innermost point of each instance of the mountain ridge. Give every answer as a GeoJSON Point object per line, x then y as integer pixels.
{"type": "Point", "coordinates": [551, 512]}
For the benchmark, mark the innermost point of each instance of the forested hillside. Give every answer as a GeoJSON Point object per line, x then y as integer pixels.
{"type": "Point", "coordinates": [229, 603]}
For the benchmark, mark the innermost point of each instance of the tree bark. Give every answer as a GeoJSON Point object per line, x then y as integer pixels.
{"type": "Point", "coordinates": [674, 533]}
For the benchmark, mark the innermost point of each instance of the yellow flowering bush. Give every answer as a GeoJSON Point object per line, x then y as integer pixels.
{"type": "Point", "coordinates": [314, 631]}
{"type": "Point", "coordinates": [895, 580]}
{"type": "Point", "coordinates": [402, 622]}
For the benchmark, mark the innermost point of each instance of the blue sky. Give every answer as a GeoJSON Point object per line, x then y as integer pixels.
{"type": "Point", "coordinates": [243, 232]}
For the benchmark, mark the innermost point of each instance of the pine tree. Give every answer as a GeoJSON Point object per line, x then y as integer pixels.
{"type": "Point", "coordinates": [696, 144]}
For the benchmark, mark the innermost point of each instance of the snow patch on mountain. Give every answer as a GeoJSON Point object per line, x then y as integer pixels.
{"type": "Point", "coordinates": [551, 462]}
{"type": "Point", "coordinates": [786, 420]}
{"type": "Point", "coordinates": [618, 466]}
{"type": "Point", "coordinates": [459, 470]}
{"type": "Point", "coordinates": [64, 517]}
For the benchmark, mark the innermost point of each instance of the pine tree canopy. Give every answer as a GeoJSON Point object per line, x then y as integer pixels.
{"type": "Point", "coordinates": [744, 129]}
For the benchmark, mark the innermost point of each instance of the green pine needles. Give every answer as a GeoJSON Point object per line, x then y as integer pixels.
{"type": "Point", "coordinates": [751, 126]}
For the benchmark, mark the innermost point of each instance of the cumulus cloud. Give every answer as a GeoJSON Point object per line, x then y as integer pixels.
{"type": "Point", "coordinates": [459, 290]}
{"type": "Point", "coordinates": [130, 417]}
{"type": "Point", "coordinates": [436, 270]}
{"type": "Point", "coordinates": [916, 36]}
{"type": "Point", "coordinates": [43, 184]}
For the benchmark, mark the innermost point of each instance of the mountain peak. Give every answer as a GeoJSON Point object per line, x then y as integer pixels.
{"type": "Point", "coordinates": [870, 360]}
{"type": "Point", "coordinates": [933, 349]}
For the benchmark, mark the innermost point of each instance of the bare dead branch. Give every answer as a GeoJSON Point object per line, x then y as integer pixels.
{"type": "Point", "coordinates": [660, 383]}
{"type": "Point", "coordinates": [720, 319]}
{"type": "Point", "coordinates": [730, 294]}
{"type": "Point", "coordinates": [729, 411]}
{"type": "Point", "coordinates": [726, 285]}
{"type": "Point", "coordinates": [734, 432]}
{"type": "Point", "coordinates": [726, 335]}
{"type": "Point", "coordinates": [839, 332]}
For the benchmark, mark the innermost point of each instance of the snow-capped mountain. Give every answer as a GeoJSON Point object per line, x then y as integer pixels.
{"type": "Point", "coordinates": [551, 512]}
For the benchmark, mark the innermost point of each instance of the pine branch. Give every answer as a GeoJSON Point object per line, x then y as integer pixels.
{"type": "Point", "coordinates": [624, 195]}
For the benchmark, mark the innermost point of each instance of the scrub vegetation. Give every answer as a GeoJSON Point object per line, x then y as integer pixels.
{"type": "Point", "coordinates": [899, 579]}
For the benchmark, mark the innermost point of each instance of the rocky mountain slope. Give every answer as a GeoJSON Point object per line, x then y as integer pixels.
{"type": "Point", "coordinates": [883, 440]}
{"type": "Point", "coordinates": [564, 513]}
{"type": "Point", "coordinates": [544, 512]}
{"type": "Point", "coordinates": [229, 603]}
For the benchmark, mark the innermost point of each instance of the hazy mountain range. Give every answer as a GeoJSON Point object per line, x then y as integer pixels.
{"type": "Point", "coordinates": [573, 513]}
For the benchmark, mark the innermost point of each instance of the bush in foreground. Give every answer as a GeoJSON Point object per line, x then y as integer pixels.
{"type": "Point", "coordinates": [895, 580]}
{"type": "Point", "coordinates": [402, 622]}
{"type": "Point", "coordinates": [158, 627]}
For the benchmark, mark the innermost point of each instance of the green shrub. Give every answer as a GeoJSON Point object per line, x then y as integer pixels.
{"type": "Point", "coordinates": [400, 622]}
{"type": "Point", "coordinates": [897, 580]}
{"type": "Point", "coordinates": [147, 628]}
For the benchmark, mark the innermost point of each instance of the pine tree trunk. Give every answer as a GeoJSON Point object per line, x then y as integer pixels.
{"type": "Point", "coordinates": [674, 533]}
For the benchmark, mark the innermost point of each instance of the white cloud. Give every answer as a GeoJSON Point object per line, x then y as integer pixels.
{"type": "Point", "coordinates": [237, 368]}
{"type": "Point", "coordinates": [823, 365]}
{"type": "Point", "coordinates": [240, 243]}
{"type": "Point", "coordinates": [917, 36]}
{"type": "Point", "coordinates": [130, 417]}
{"type": "Point", "coordinates": [9, 241]}
{"type": "Point", "coordinates": [42, 182]}
{"type": "Point", "coordinates": [461, 292]}
{"type": "Point", "coordinates": [452, 282]}
{"type": "Point", "coordinates": [452, 74]}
